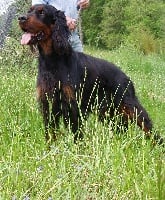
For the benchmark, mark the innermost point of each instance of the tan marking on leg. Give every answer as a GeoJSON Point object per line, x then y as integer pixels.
{"type": "Point", "coordinates": [69, 92]}
{"type": "Point", "coordinates": [133, 115]}
{"type": "Point", "coordinates": [38, 93]}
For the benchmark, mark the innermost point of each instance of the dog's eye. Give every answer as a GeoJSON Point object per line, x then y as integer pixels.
{"type": "Point", "coordinates": [41, 12]}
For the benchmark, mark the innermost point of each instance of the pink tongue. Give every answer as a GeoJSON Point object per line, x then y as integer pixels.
{"type": "Point", "coordinates": [26, 37]}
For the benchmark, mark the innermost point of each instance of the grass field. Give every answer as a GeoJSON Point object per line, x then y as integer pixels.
{"type": "Point", "coordinates": [103, 166]}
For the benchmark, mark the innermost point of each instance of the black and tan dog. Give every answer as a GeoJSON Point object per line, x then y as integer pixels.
{"type": "Point", "coordinates": [70, 84]}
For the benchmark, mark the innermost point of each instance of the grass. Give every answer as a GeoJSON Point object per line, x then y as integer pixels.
{"type": "Point", "coordinates": [103, 166]}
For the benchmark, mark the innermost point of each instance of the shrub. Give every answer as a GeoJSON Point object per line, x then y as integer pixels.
{"type": "Point", "coordinates": [144, 40]}
{"type": "Point", "coordinates": [110, 23]}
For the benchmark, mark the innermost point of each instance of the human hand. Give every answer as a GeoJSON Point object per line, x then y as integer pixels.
{"type": "Point", "coordinates": [71, 23]}
{"type": "Point", "coordinates": [83, 3]}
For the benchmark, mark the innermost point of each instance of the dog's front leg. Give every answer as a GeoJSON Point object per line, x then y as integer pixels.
{"type": "Point", "coordinates": [51, 116]}
{"type": "Point", "coordinates": [70, 110]}
{"type": "Point", "coordinates": [46, 118]}
{"type": "Point", "coordinates": [75, 121]}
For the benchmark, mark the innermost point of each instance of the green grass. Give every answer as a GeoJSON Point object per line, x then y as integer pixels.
{"type": "Point", "coordinates": [103, 166]}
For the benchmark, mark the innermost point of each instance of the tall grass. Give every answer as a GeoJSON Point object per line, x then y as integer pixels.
{"type": "Point", "coordinates": [105, 165]}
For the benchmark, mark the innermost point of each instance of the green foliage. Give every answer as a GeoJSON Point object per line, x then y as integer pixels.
{"type": "Point", "coordinates": [149, 14]}
{"type": "Point", "coordinates": [91, 22]}
{"type": "Point", "coordinates": [120, 21]}
{"type": "Point", "coordinates": [113, 27]}
{"type": "Point", "coordinates": [144, 41]}
{"type": "Point", "coordinates": [145, 25]}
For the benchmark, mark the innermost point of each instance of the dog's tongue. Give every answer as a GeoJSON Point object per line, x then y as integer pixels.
{"type": "Point", "coordinates": [26, 37]}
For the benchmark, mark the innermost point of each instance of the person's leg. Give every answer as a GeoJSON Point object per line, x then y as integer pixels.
{"type": "Point", "coordinates": [76, 42]}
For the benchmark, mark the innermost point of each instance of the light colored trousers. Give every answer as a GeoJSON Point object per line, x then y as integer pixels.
{"type": "Point", "coordinates": [76, 42]}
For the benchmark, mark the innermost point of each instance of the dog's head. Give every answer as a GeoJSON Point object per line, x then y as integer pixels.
{"type": "Point", "coordinates": [45, 25]}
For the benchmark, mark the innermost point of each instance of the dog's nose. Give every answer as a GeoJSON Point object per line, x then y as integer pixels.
{"type": "Point", "coordinates": [22, 18]}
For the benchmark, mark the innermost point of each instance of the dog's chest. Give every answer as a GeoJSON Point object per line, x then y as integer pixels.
{"type": "Point", "coordinates": [54, 86]}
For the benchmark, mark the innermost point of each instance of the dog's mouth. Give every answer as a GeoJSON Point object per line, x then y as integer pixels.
{"type": "Point", "coordinates": [31, 38]}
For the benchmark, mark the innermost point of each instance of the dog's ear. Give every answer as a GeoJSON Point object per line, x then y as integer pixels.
{"type": "Point", "coordinates": [61, 34]}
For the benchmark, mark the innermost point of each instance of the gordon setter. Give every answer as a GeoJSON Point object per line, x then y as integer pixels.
{"type": "Point", "coordinates": [71, 84]}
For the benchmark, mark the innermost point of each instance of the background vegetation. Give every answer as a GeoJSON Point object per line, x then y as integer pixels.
{"type": "Point", "coordinates": [137, 22]}
{"type": "Point", "coordinates": [105, 165]}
